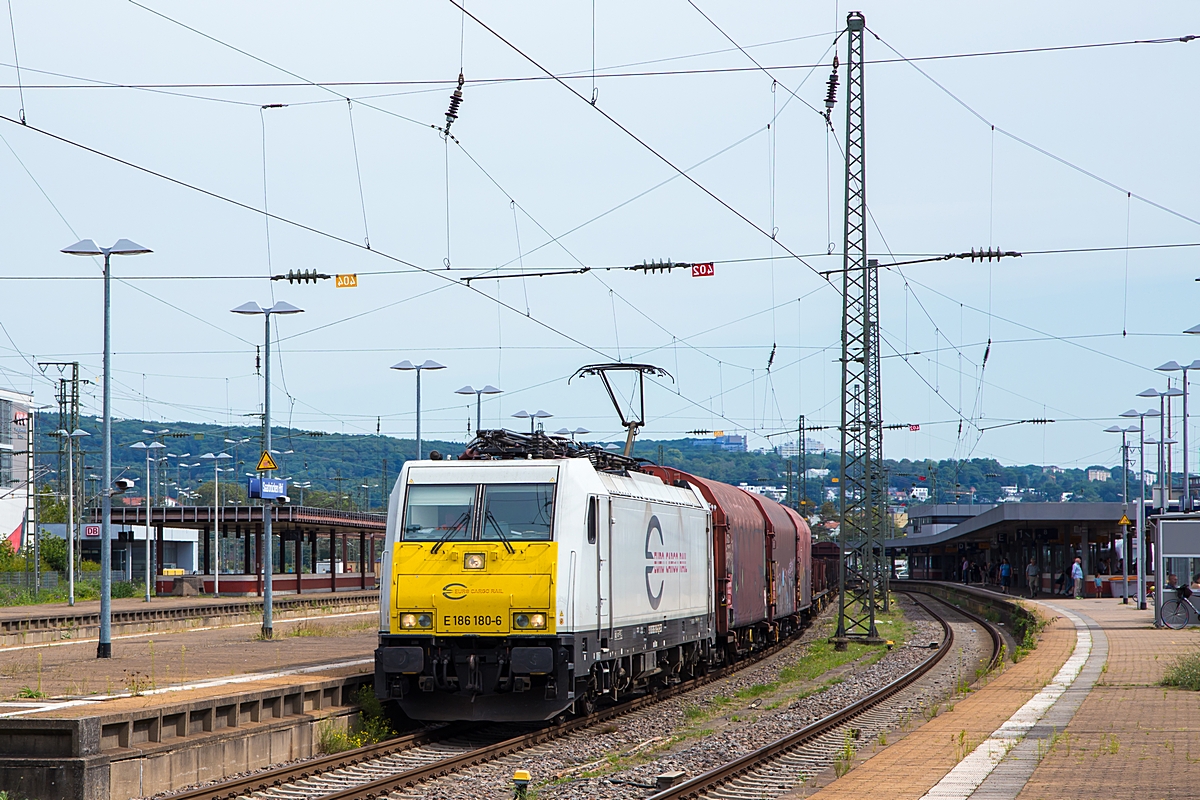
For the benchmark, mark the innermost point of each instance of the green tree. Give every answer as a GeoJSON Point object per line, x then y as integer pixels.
{"type": "Point", "coordinates": [230, 490]}
{"type": "Point", "coordinates": [51, 509]}
{"type": "Point", "coordinates": [53, 551]}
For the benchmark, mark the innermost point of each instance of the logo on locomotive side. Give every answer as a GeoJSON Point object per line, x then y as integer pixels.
{"type": "Point", "coordinates": [661, 562]}
{"type": "Point", "coordinates": [651, 529]}
{"type": "Point", "coordinates": [454, 591]}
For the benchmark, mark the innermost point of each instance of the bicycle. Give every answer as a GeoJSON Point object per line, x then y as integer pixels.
{"type": "Point", "coordinates": [1175, 612]}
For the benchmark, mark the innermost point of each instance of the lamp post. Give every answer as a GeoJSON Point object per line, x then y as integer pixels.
{"type": "Point", "coordinates": [1162, 437]}
{"type": "Point", "coordinates": [539, 414]}
{"type": "Point", "coordinates": [147, 448]}
{"type": "Point", "coordinates": [487, 389]}
{"type": "Point", "coordinates": [408, 366]}
{"type": "Point", "coordinates": [218, 513]}
{"type": "Point", "coordinates": [280, 307]}
{"type": "Point", "coordinates": [71, 527]}
{"type": "Point", "coordinates": [1141, 507]}
{"type": "Point", "coordinates": [572, 433]}
{"type": "Point", "coordinates": [123, 247]}
{"type": "Point", "coordinates": [1159, 577]}
{"type": "Point", "coordinates": [1185, 503]}
{"type": "Point", "coordinates": [1125, 505]}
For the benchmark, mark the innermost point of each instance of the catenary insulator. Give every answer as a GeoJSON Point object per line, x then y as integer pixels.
{"type": "Point", "coordinates": [831, 94]}
{"type": "Point", "coordinates": [455, 101]}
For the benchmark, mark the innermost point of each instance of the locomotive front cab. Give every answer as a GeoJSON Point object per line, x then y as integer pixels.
{"type": "Point", "coordinates": [471, 618]}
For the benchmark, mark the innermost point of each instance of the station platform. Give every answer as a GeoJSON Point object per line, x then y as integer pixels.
{"type": "Point", "coordinates": [177, 707]}
{"type": "Point", "coordinates": [1082, 716]}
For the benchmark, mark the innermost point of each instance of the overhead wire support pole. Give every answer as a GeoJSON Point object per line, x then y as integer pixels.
{"type": "Point", "coordinates": [861, 498]}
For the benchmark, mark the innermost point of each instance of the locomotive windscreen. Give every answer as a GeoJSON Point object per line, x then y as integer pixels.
{"type": "Point", "coordinates": [436, 513]}
{"type": "Point", "coordinates": [521, 512]}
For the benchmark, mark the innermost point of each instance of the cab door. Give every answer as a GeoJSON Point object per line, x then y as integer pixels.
{"type": "Point", "coordinates": [600, 537]}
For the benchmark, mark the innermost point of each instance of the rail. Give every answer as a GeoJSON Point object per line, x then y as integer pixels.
{"type": "Point", "coordinates": [380, 788]}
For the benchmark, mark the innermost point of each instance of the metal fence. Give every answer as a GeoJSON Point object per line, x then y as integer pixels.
{"type": "Point", "coordinates": [51, 579]}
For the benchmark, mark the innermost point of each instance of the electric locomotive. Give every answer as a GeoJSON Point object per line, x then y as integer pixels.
{"type": "Point", "coordinates": [533, 577]}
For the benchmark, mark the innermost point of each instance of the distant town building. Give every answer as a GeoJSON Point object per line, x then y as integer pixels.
{"type": "Point", "coordinates": [731, 442]}
{"type": "Point", "coordinates": [1095, 474]}
{"type": "Point", "coordinates": [1052, 470]}
{"type": "Point", "coordinates": [792, 449]}
{"type": "Point", "coordinates": [1008, 494]}
{"type": "Point", "coordinates": [774, 492]}
{"type": "Point", "coordinates": [920, 493]}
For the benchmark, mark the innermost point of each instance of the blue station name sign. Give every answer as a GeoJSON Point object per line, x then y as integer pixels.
{"type": "Point", "coordinates": [266, 488]}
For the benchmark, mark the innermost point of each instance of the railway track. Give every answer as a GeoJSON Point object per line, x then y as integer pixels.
{"type": "Point", "coordinates": [373, 771]}
{"type": "Point", "coordinates": [782, 764]}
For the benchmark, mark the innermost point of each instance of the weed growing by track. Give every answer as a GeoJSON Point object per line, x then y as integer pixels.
{"type": "Point", "coordinates": [1184, 673]}
{"type": "Point", "coordinates": [373, 726]}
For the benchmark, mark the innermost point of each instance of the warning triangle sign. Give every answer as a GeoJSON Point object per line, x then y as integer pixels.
{"type": "Point", "coordinates": [1124, 520]}
{"type": "Point", "coordinates": [266, 463]}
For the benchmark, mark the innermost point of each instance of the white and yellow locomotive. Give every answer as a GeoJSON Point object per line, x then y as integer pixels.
{"type": "Point", "coordinates": [520, 588]}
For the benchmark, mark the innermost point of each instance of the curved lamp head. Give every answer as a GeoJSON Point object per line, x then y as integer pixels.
{"type": "Point", "coordinates": [122, 247]}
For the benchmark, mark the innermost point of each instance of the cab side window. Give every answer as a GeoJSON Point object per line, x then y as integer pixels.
{"type": "Point", "coordinates": [593, 519]}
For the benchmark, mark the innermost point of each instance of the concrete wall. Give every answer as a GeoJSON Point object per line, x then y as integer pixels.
{"type": "Point", "coordinates": [140, 753]}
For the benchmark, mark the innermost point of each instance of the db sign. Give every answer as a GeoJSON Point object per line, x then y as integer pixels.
{"type": "Point", "coordinates": [91, 530]}
{"type": "Point", "coordinates": [703, 270]}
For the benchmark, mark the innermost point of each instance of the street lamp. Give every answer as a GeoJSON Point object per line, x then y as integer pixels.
{"type": "Point", "coordinates": [71, 526]}
{"type": "Point", "coordinates": [487, 389]}
{"type": "Point", "coordinates": [408, 366]}
{"type": "Point", "coordinates": [123, 247]}
{"type": "Point", "coordinates": [1162, 435]}
{"type": "Point", "coordinates": [280, 307]}
{"type": "Point", "coordinates": [218, 513]}
{"type": "Point", "coordinates": [1141, 507]}
{"type": "Point", "coordinates": [572, 433]}
{"type": "Point", "coordinates": [539, 414]}
{"type": "Point", "coordinates": [1185, 504]}
{"type": "Point", "coordinates": [147, 448]}
{"type": "Point", "coordinates": [1125, 505]}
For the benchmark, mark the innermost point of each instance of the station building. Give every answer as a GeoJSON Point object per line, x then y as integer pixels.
{"type": "Point", "coordinates": [941, 536]}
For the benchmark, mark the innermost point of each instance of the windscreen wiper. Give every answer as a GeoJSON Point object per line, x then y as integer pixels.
{"type": "Point", "coordinates": [500, 533]}
{"type": "Point", "coordinates": [466, 515]}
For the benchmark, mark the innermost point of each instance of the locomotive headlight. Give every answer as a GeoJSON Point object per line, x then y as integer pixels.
{"type": "Point", "coordinates": [529, 621]}
{"type": "Point", "coordinates": [412, 620]}
{"type": "Point", "coordinates": [474, 561]}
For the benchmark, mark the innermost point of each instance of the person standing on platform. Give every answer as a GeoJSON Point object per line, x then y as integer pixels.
{"type": "Point", "coordinates": [1005, 575]}
{"type": "Point", "coordinates": [966, 571]}
{"type": "Point", "coordinates": [1077, 576]}
{"type": "Point", "coordinates": [1032, 577]}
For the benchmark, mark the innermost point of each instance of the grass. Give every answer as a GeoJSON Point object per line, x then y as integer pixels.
{"type": "Point", "coordinates": [84, 590]}
{"type": "Point", "coordinates": [843, 761]}
{"type": "Point", "coordinates": [1184, 673]}
{"type": "Point", "coordinates": [1026, 625]}
{"type": "Point", "coordinates": [373, 726]}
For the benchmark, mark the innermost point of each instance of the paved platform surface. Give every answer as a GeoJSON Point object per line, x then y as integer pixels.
{"type": "Point", "coordinates": [1080, 717]}
{"type": "Point", "coordinates": [172, 666]}
{"type": "Point", "coordinates": [139, 604]}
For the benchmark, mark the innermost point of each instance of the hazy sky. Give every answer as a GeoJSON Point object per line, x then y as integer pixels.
{"type": "Point", "coordinates": [1074, 336]}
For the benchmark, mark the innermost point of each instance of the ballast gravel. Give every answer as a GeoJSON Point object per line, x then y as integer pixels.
{"type": "Point", "coordinates": [669, 740]}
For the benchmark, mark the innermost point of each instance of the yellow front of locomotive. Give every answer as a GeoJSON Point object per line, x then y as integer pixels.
{"type": "Point", "coordinates": [470, 630]}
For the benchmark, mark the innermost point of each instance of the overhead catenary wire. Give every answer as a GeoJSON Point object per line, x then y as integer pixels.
{"type": "Point", "coordinates": [629, 132]}
{"type": "Point", "coordinates": [12, 26]}
{"type": "Point", "coordinates": [1065, 162]}
{"type": "Point", "coordinates": [579, 75]}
